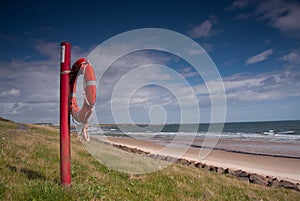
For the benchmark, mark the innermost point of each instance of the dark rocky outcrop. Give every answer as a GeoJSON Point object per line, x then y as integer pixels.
{"type": "Point", "coordinates": [239, 173]}
{"type": "Point", "coordinates": [221, 170]}
{"type": "Point", "coordinates": [258, 179]}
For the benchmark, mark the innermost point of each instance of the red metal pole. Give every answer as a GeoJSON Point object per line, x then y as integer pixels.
{"type": "Point", "coordinates": [65, 155]}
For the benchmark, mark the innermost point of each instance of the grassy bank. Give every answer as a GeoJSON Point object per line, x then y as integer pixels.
{"type": "Point", "coordinates": [29, 170]}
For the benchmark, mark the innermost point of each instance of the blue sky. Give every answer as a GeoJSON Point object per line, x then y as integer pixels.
{"type": "Point", "coordinates": [254, 44]}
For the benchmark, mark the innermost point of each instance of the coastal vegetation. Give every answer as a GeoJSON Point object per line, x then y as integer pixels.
{"type": "Point", "coordinates": [29, 170]}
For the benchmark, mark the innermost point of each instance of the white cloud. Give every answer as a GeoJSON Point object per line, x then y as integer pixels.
{"type": "Point", "coordinates": [11, 93]}
{"type": "Point", "coordinates": [250, 89]}
{"type": "Point", "coordinates": [123, 66]}
{"type": "Point", "coordinates": [122, 84]}
{"type": "Point", "coordinates": [283, 15]}
{"type": "Point", "coordinates": [194, 51]}
{"type": "Point", "coordinates": [39, 83]}
{"type": "Point", "coordinates": [49, 49]}
{"type": "Point", "coordinates": [239, 4]}
{"type": "Point", "coordinates": [271, 86]}
{"type": "Point", "coordinates": [33, 84]}
{"type": "Point", "coordinates": [293, 57]}
{"type": "Point", "coordinates": [205, 29]}
{"type": "Point", "coordinates": [280, 14]}
{"type": "Point", "coordinates": [9, 108]}
{"type": "Point", "coordinates": [134, 87]}
{"type": "Point", "coordinates": [131, 72]}
{"type": "Point", "coordinates": [259, 57]}
{"type": "Point", "coordinates": [188, 72]}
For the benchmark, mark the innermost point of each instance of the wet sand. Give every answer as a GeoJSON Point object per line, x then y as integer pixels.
{"type": "Point", "coordinates": [279, 167]}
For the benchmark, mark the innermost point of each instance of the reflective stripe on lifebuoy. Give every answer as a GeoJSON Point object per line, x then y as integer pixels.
{"type": "Point", "coordinates": [82, 66]}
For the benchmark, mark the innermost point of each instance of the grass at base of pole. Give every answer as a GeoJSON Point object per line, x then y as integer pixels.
{"type": "Point", "coordinates": [29, 170]}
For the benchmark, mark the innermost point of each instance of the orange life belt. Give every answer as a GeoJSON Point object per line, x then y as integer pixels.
{"type": "Point", "coordinates": [82, 66]}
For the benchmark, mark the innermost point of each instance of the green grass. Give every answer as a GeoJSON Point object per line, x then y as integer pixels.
{"type": "Point", "coordinates": [29, 170]}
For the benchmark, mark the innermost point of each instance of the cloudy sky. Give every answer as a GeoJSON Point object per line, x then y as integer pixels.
{"type": "Point", "coordinates": [255, 46]}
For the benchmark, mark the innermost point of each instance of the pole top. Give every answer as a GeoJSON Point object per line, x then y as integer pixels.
{"type": "Point", "coordinates": [65, 43]}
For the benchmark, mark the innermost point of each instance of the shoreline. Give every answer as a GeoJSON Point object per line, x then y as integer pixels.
{"type": "Point", "coordinates": [261, 169]}
{"type": "Point", "coordinates": [246, 152]}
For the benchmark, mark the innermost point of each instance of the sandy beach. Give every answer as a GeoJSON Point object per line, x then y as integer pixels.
{"type": "Point", "coordinates": [278, 167]}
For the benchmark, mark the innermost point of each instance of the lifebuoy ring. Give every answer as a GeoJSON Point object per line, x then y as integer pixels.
{"type": "Point", "coordinates": [82, 66]}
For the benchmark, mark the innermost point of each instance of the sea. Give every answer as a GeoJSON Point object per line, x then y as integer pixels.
{"type": "Point", "coordinates": [269, 138]}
